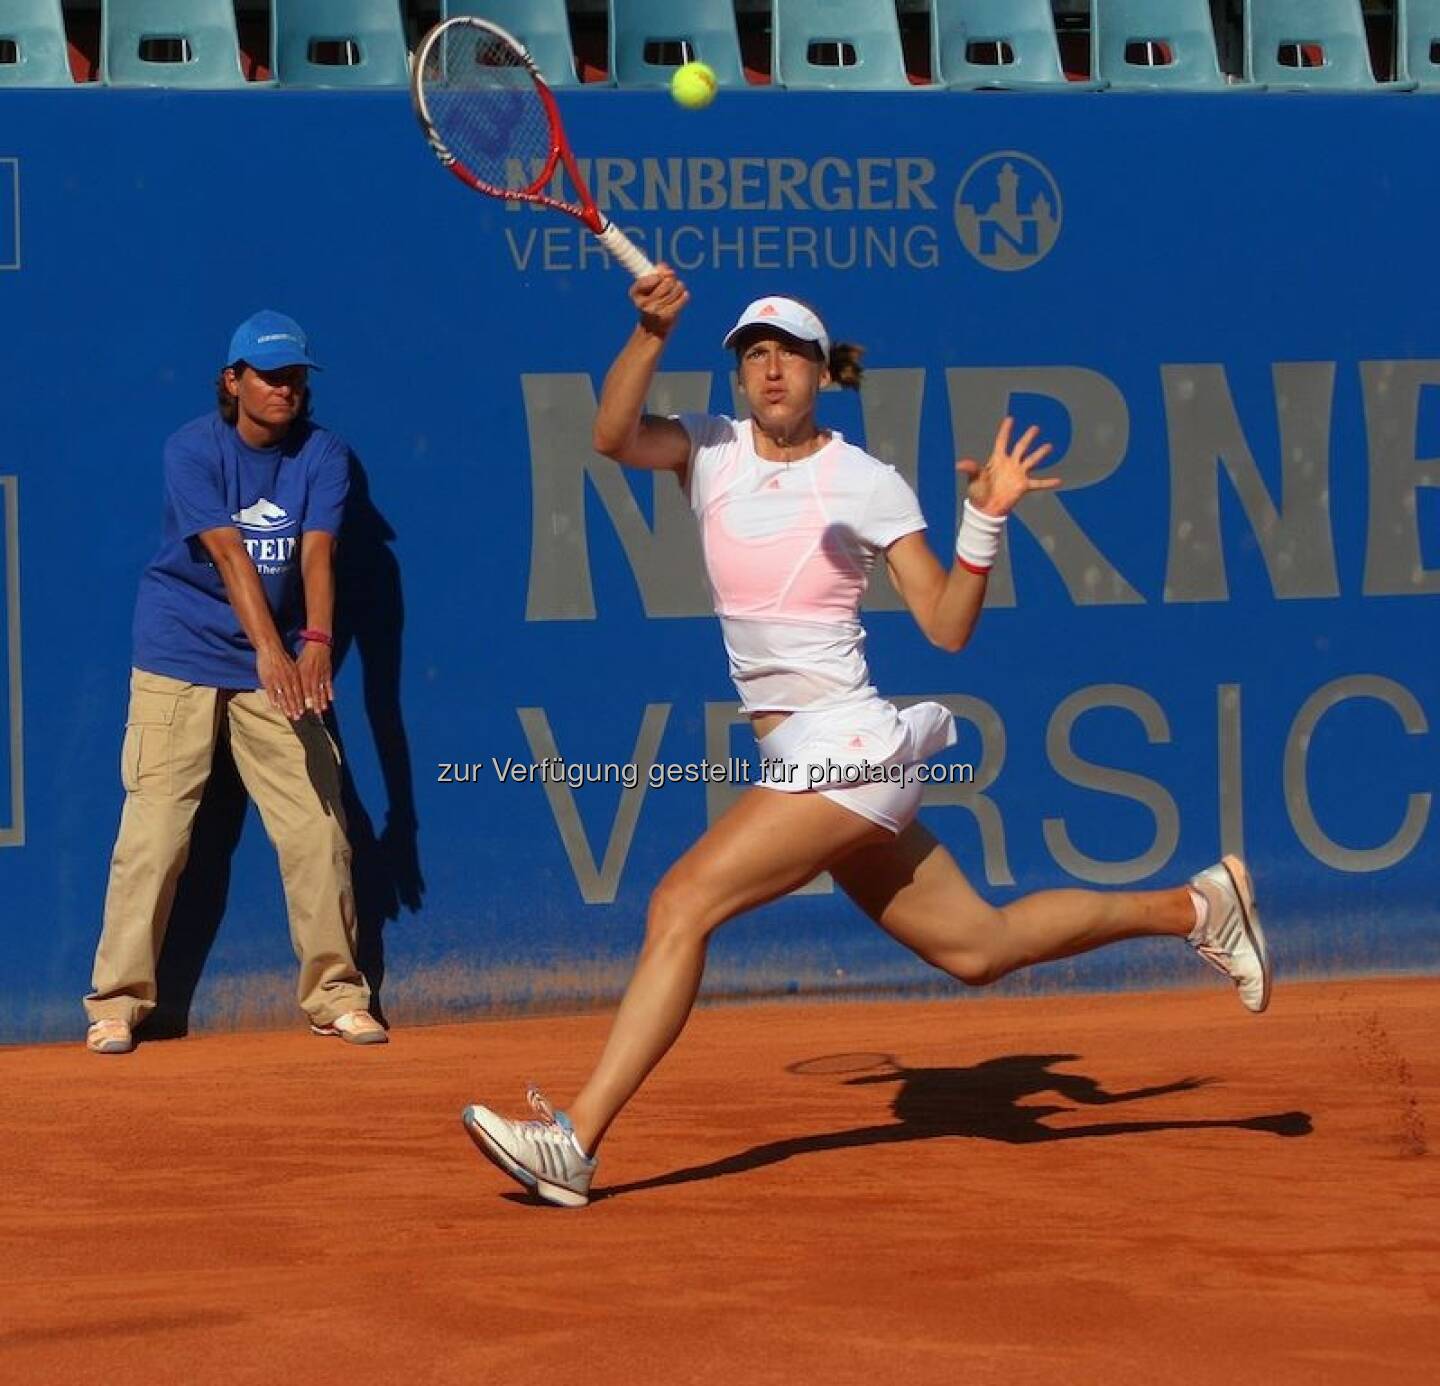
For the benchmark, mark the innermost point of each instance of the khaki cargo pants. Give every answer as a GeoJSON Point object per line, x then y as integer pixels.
{"type": "Point", "coordinates": [291, 771]}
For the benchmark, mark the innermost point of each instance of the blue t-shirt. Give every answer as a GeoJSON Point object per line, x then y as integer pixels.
{"type": "Point", "coordinates": [184, 624]}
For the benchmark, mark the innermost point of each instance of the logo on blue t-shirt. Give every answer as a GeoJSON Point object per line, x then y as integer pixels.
{"type": "Point", "coordinates": [271, 557]}
{"type": "Point", "coordinates": [263, 515]}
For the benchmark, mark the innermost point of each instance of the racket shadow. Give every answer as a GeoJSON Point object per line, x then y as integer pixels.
{"type": "Point", "coordinates": [982, 1102]}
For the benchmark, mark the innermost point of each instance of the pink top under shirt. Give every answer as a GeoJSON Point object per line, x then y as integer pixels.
{"type": "Point", "coordinates": [789, 548]}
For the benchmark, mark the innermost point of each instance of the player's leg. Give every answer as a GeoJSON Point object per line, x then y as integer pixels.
{"type": "Point", "coordinates": [912, 887]}
{"type": "Point", "coordinates": [767, 844]}
{"type": "Point", "coordinates": [291, 770]}
{"type": "Point", "coordinates": [165, 763]}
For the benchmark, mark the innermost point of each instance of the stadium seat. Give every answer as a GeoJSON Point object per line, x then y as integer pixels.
{"type": "Point", "coordinates": [340, 43]}
{"type": "Point", "coordinates": [169, 43]}
{"type": "Point", "coordinates": [1419, 45]}
{"type": "Point", "coordinates": [1007, 45]}
{"type": "Point", "coordinates": [1317, 46]}
{"type": "Point", "coordinates": [649, 39]}
{"type": "Point", "coordinates": [33, 51]}
{"type": "Point", "coordinates": [1155, 43]}
{"type": "Point", "coordinates": [543, 26]}
{"type": "Point", "coordinates": [836, 43]}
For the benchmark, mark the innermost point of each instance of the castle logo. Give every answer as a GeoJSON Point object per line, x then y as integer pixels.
{"type": "Point", "coordinates": [1007, 211]}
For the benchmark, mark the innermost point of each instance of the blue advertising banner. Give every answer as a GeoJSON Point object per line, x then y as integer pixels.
{"type": "Point", "coordinates": [1214, 637]}
{"type": "Point", "coordinates": [12, 757]}
{"type": "Point", "coordinates": [9, 214]}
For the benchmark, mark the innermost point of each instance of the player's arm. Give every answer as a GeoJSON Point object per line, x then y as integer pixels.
{"type": "Point", "coordinates": [276, 670]}
{"type": "Point", "coordinates": [946, 606]}
{"type": "Point", "coordinates": [623, 430]}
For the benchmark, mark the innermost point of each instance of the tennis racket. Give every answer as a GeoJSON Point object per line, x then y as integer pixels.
{"type": "Point", "coordinates": [489, 116]}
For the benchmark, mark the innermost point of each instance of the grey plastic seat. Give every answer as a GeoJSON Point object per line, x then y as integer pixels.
{"type": "Point", "coordinates": [33, 48]}
{"type": "Point", "coordinates": [1319, 45]}
{"type": "Point", "coordinates": [543, 26]}
{"type": "Point", "coordinates": [339, 43]}
{"type": "Point", "coordinates": [1419, 42]}
{"type": "Point", "coordinates": [1003, 45]}
{"type": "Point", "coordinates": [170, 43]}
{"type": "Point", "coordinates": [1146, 44]}
{"type": "Point", "coordinates": [854, 44]}
{"type": "Point", "coordinates": [649, 39]}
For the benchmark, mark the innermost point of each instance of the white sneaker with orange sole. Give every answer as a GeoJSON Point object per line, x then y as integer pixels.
{"type": "Point", "coordinates": [1231, 939]}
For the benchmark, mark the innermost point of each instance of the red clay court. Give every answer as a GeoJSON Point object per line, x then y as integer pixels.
{"type": "Point", "coordinates": [1112, 1188]}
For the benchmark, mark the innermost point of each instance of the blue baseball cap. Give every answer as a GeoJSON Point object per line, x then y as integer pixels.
{"type": "Point", "coordinates": [268, 340]}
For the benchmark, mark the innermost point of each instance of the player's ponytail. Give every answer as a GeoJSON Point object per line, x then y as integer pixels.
{"type": "Point", "coordinates": [844, 364]}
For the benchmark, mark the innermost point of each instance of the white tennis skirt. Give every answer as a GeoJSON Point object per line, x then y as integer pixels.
{"type": "Point", "coordinates": [862, 755]}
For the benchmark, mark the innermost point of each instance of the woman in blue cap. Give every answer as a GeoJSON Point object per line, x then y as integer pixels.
{"type": "Point", "coordinates": [232, 638]}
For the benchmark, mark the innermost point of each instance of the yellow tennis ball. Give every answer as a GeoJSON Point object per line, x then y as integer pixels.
{"type": "Point", "coordinates": [693, 86]}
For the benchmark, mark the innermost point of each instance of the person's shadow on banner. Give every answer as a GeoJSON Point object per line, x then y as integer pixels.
{"type": "Point", "coordinates": [370, 619]}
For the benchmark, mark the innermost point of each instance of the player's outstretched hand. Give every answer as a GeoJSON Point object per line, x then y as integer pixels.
{"type": "Point", "coordinates": [1005, 480]}
{"type": "Point", "coordinates": [659, 297]}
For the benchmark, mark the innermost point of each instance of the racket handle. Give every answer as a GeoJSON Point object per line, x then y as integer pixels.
{"type": "Point", "coordinates": [625, 250]}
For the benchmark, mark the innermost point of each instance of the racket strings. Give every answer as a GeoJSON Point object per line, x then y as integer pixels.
{"type": "Point", "coordinates": [486, 109]}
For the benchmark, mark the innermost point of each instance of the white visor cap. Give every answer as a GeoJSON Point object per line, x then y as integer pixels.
{"type": "Point", "coordinates": [785, 315]}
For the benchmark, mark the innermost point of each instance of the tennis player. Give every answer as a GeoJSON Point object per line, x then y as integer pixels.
{"type": "Point", "coordinates": [792, 520]}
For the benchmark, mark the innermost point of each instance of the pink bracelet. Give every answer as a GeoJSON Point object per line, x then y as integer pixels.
{"type": "Point", "coordinates": [316, 637]}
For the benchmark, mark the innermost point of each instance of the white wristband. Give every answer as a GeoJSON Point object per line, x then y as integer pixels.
{"type": "Point", "coordinates": [978, 543]}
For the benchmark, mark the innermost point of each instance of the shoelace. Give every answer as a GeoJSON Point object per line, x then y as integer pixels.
{"type": "Point", "coordinates": [1218, 958]}
{"type": "Point", "coordinates": [545, 1125]}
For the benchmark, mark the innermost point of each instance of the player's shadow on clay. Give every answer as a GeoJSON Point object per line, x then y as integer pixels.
{"type": "Point", "coordinates": [987, 1101]}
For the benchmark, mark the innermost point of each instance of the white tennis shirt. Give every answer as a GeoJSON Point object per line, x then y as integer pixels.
{"type": "Point", "coordinates": [789, 548]}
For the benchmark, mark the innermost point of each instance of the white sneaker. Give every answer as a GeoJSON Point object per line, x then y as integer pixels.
{"type": "Point", "coordinates": [109, 1037]}
{"type": "Point", "coordinates": [354, 1027]}
{"type": "Point", "coordinates": [1231, 939]}
{"type": "Point", "coordinates": [542, 1154]}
